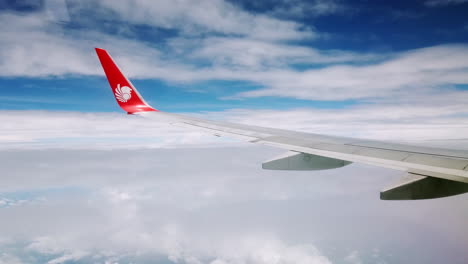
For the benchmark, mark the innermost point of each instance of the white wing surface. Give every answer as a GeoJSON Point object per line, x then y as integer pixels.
{"type": "Point", "coordinates": [431, 172]}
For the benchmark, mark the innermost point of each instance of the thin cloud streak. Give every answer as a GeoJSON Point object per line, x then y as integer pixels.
{"type": "Point", "coordinates": [206, 16]}
{"type": "Point", "coordinates": [419, 71]}
{"type": "Point", "coordinates": [439, 3]}
{"type": "Point", "coordinates": [394, 122]}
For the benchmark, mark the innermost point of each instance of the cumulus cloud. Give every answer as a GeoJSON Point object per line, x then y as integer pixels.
{"type": "Point", "coordinates": [164, 210]}
{"type": "Point", "coordinates": [219, 207]}
{"type": "Point", "coordinates": [421, 71]}
{"type": "Point", "coordinates": [34, 47]}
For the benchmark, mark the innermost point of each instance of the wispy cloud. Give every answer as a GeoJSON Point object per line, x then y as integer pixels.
{"type": "Point", "coordinates": [385, 122]}
{"type": "Point", "coordinates": [300, 9]}
{"type": "Point", "coordinates": [418, 71]}
{"type": "Point", "coordinates": [43, 129]}
{"type": "Point", "coordinates": [195, 17]}
{"type": "Point", "coordinates": [397, 121]}
{"type": "Point", "coordinates": [34, 47]}
{"type": "Point", "coordinates": [436, 3]}
{"type": "Point", "coordinates": [240, 54]}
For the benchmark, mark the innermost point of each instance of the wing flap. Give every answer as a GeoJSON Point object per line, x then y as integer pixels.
{"type": "Point", "coordinates": [418, 187]}
{"type": "Point", "coordinates": [293, 160]}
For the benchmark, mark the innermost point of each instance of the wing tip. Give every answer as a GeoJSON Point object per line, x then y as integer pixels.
{"type": "Point", "coordinates": [126, 95]}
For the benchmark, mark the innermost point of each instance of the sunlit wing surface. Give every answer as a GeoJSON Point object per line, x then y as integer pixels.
{"type": "Point", "coordinates": [431, 172]}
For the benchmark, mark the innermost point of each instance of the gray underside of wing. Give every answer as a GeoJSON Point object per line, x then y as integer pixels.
{"type": "Point", "coordinates": [327, 152]}
{"type": "Point", "coordinates": [417, 187]}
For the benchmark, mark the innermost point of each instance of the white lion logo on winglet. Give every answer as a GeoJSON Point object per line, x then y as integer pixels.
{"type": "Point", "coordinates": [123, 94]}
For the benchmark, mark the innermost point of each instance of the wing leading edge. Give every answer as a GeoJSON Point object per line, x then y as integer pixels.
{"type": "Point", "coordinates": [434, 172]}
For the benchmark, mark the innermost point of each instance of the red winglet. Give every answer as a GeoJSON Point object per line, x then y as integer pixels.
{"type": "Point", "coordinates": [128, 98]}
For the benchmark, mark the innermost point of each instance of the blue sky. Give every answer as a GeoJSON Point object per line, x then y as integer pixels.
{"type": "Point", "coordinates": [83, 182]}
{"type": "Point", "coordinates": [224, 67]}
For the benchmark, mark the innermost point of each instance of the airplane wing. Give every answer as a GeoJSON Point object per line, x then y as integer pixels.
{"type": "Point", "coordinates": [430, 172]}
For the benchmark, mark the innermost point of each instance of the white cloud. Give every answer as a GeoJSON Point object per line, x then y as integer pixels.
{"type": "Point", "coordinates": [9, 259]}
{"type": "Point", "coordinates": [261, 250]}
{"type": "Point", "coordinates": [5, 202]}
{"type": "Point", "coordinates": [68, 258]}
{"type": "Point", "coordinates": [399, 122]}
{"type": "Point", "coordinates": [301, 9]}
{"type": "Point", "coordinates": [416, 72]}
{"type": "Point", "coordinates": [33, 47]}
{"type": "Point", "coordinates": [57, 10]}
{"type": "Point", "coordinates": [151, 205]}
{"type": "Point", "coordinates": [135, 195]}
{"type": "Point", "coordinates": [353, 258]}
{"type": "Point", "coordinates": [161, 211]}
{"type": "Point", "coordinates": [27, 47]}
{"type": "Point", "coordinates": [42, 129]}
{"type": "Point", "coordinates": [248, 54]}
{"type": "Point", "coordinates": [193, 17]}
{"type": "Point", "coordinates": [434, 120]}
